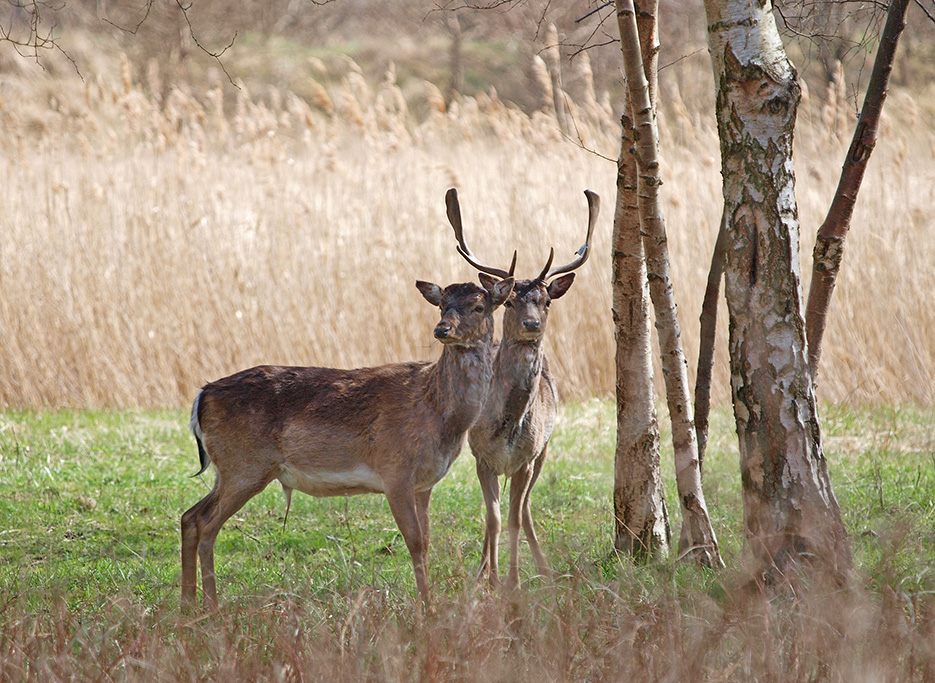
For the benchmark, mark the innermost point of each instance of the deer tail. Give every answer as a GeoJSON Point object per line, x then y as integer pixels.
{"type": "Point", "coordinates": [195, 425]}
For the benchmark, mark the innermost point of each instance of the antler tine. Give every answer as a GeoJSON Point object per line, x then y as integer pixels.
{"type": "Point", "coordinates": [594, 208]}
{"type": "Point", "coordinates": [454, 217]}
{"type": "Point", "coordinates": [545, 275]}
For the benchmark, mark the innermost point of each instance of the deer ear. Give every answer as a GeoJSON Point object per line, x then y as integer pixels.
{"type": "Point", "coordinates": [559, 286]}
{"type": "Point", "coordinates": [487, 281]}
{"type": "Point", "coordinates": [500, 291]}
{"type": "Point", "coordinates": [431, 292]}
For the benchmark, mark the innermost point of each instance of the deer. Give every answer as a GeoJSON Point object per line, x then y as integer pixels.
{"type": "Point", "coordinates": [394, 429]}
{"type": "Point", "coordinates": [511, 435]}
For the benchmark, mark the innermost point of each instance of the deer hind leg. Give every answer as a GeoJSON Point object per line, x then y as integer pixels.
{"type": "Point", "coordinates": [519, 485]}
{"type": "Point", "coordinates": [230, 497]}
{"type": "Point", "coordinates": [191, 533]}
{"type": "Point", "coordinates": [405, 506]}
{"type": "Point", "coordinates": [541, 563]}
{"type": "Point", "coordinates": [490, 486]}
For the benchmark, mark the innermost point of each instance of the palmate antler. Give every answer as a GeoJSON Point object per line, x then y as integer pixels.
{"type": "Point", "coordinates": [454, 217]}
{"type": "Point", "coordinates": [594, 207]}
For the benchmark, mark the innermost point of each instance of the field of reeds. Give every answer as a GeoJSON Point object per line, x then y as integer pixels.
{"type": "Point", "coordinates": [156, 234]}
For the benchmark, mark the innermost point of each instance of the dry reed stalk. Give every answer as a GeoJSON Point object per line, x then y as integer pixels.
{"type": "Point", "coordinates": [543, 80]}
{"type": "Point", "coordinates": [157, 251]}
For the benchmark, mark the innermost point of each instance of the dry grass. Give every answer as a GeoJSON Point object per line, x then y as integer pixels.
{"type": "Point", "coordinates": [584, 633]}
{"type": "Point", "coordinates": [150, 242]}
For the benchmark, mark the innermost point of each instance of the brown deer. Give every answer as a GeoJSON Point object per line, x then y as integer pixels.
{"type": "Point", "coordinates": [511, 435]}
{"type": "Point", "coordinates": [394, 429]}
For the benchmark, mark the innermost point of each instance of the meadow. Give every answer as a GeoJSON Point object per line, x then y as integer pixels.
{"type": "Point", "coordinates": [157, 233]}
{"type": "Point", "coordinates": [89, 573]}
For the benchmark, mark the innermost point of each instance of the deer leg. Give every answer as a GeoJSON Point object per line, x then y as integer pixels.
{"type": "Point", "coordinates": [405, 508]}
{"type": "Point", "coordinates": [228, 500]}
{"type": "Point", "coordinates": [422, 509]}
{"type": "Point", "coordinates": [519, 484]}
{"type": "Point", "coordinates": [190, 535]}
{"type": "Point", "coordinates": [541, 563]}
{"type": "Point", "coordinates": [490, 486]}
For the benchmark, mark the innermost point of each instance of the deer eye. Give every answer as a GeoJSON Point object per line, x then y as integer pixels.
{"type": "Point", "coordinates": [548, 304]}
{"type": "Point", "coordinates": [478, 308]}
{"type": "Point", "coordinates": [508, 304]}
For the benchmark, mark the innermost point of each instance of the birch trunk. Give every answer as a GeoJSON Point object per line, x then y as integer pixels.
{"type": "Point", "coordinates": [697, 539]}
{"type": "Point", "coordinates": [642, 522]}
{"type": "Point", "coordinates": [790, 511]}
{"type": "Point", "coordinates": [829, 247]}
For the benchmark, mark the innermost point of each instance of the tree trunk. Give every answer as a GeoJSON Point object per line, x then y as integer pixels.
{"type": "Point", "coordinates": [697, 538]}
{"type": "Point", "coordinates": [829, 247]}
{"type": "Point", "coordinates": [642, 522]}
{"type": "Point", "coordinates": [790, 512]}
{"type": "Point", "coordinates": [707, 333]}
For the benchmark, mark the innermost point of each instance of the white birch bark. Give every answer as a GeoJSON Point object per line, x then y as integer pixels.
{"type": "Point", "coordinates": [641, 516]}
{"type": "Point", "coordinates": [697, 538]}
{"type": "Point", "coordinates": [790, 511]}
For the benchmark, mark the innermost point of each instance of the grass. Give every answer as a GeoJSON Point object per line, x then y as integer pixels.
{"type": "Point", "coordinates": [89, 568]}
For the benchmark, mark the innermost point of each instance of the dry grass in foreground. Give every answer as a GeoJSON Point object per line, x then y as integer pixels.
{"type": "Point", "coordinates": [150, 243]}
{"type": "Point", "coordinates": [583, 633]}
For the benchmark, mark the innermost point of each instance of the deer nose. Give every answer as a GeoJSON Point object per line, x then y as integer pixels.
{"type": "Point", "coordinates": [532, 325]}
{"type": "Point", "coordinates": [442, 330]}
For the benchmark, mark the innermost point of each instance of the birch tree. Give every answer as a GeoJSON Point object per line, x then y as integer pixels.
{"type": "Point", "coordinates": [641, 517]}
{"type": "Point", "coordinates": [697, 539]}
{"type": "Point", "coordinates": [790, 511]}
{"type": "Point", "coordinates": [829, 246]}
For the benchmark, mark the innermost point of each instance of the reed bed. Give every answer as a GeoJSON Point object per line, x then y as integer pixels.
{"type": "Point", "coordinates": [154, 237]}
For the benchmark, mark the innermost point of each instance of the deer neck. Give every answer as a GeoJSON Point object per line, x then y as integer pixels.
{"type": "Point", "coordinates": [461, 379]}
{"type": "Point", "coordinates": [517, 373]}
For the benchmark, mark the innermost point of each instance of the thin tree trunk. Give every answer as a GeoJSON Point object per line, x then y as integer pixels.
{"type": "Point", "coordinates": [829, 248]}
{"type": "Point", "coordinates": [642, 522]}
{"type": "Point", "coordinates": [790, 512]}
{"type": "Point", "coordinates": [697, 539]}
{"type": "Point", "coordinates": [707, 333]}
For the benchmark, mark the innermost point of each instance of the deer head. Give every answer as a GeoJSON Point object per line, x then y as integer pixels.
{"type": "Point", "coordinates": [527, 307]}
{"type": "Point", "coordinates": [466, 309]}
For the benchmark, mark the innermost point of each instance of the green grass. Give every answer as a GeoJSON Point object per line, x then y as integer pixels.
{"type": "Point", "coordinates": [89, 565]}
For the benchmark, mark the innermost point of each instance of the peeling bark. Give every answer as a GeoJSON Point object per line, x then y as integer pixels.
{"type": "Point", "coordinates": [790, 512]}
{"type": "Point", "coordinates": [697, 538]}
{"type": "Point", "coordinates": [641, 517]}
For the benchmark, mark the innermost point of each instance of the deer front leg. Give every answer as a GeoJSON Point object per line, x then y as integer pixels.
{"type": "Point", "coordinates": [422, 509]}
{"type": "Point", "coordinates": [490, 486]}
{"type": "Point", "coordinates": [404, 505]}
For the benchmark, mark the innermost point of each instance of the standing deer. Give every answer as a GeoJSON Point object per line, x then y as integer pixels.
{"type": "Point", "coordinates": [511, 435]}
{"type": "Point", "coordinates": [394, 429]}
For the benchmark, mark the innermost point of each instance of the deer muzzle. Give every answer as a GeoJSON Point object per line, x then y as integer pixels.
{"type": "Point", "coordinates": [442, 330]}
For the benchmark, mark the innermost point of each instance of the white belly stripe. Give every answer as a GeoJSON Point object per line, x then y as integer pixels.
{"type": "Point", "coordinates": [330, 483]}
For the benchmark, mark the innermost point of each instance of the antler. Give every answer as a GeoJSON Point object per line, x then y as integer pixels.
{"type": "Point", "coordinates": [594, 207]}
{"type": "Point", "coordinates": [454, 217]}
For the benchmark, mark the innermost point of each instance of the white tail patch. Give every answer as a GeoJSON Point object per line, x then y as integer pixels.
{"type": "Point", "coordinates": [194, 424]}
